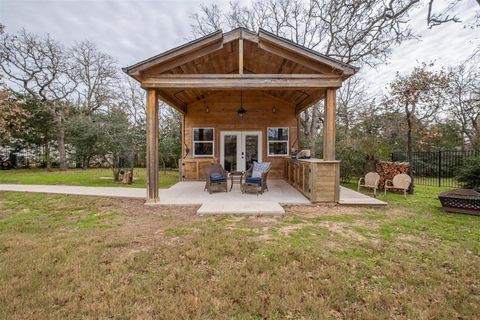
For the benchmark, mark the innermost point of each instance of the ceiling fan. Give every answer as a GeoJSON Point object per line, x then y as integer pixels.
{"type": "Point", "coordinates": [241, 110]}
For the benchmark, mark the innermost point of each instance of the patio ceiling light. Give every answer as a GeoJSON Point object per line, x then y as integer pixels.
{"type": "Point", "coordinates": [241, 111]}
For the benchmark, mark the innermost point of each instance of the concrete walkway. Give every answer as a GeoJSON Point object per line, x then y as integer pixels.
{"type": "Point", "coordinates": [350, 197]}
{"type": "Point", "coordinates": [77, 190]}
{"type": "Point", "coordinates": [191, 193]}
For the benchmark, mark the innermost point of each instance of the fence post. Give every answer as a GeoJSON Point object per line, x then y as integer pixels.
{"type": "Point", "coordinates": [439, 168]}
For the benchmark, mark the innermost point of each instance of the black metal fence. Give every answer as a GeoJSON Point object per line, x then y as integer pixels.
{"type": "Point", "coordinates": [436, 168]}
{"type": "Point", "coordinates": [35, 158]}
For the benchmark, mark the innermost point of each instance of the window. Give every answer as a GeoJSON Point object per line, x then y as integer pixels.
{"type": "Point", "coordinates": [203, 139]}
{"type": "Point", "coordinates": [277, 141]}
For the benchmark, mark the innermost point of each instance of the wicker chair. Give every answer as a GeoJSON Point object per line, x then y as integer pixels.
{"type": "Point", "coordinates": [400, 182]}
{"type": "Point", "coordinates": [215, 176]}
{"type": "Point", "coordinates": [258, 184]}
{"type": "Point", "coordinates": [370, 181]}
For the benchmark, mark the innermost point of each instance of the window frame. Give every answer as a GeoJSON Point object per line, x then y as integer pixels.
{"type": "Point", "coordinates": [208, 141]}
{"type": "Point", "coordinates": [287, 141]}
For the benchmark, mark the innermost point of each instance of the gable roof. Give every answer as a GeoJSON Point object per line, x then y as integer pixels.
{"type": "Point", "coordinates": [217, 39]}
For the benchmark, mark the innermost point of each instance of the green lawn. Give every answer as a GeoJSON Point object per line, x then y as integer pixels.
{"type": "Point", "coordinates": [79, 177]}
{"type": "Point", "coordinates": [89, 258]}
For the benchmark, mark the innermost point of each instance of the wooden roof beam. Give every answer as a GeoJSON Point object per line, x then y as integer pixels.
{"type": "Point", "coordinates": [180, 107]}
{"type": "Point", "coordinates": [278, 51]}
{"type": "Point", "coordinates": [308, 102]}
{"type": "Point", "coordinates": [169, 65]}
{"type": "Point", "coordinates": [243, 81]}
{"type": "Point", "coordinates": [191, 49]}
{"type": "Point", "coordinates": [269, 41]}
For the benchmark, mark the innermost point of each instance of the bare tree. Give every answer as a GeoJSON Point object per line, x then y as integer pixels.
{"type": "Point", "coordinates": [358, 32]}
{"type": "Point", "coordinates": [420, 95]}
{"type": "Point", "coordinates": [352, 98]}
{"type": "Point", "coordinates": [40, 68]}
{"type": "Point", "coordinates": [97, 74]}
{"type": "Point", "coordinates": [209, 20]}
{"type": "Point", "coordinates": [464, 100]}
{"type": "Point", "coordinates": [132, 101]}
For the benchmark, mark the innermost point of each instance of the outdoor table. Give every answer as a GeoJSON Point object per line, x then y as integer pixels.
{"type": "Point", "coordinates": [236, 177]}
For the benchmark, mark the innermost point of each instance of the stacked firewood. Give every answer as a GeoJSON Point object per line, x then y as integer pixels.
{"type": "Point", "coordinates": [388, 170]}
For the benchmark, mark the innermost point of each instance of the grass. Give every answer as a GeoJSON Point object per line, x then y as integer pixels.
{"type": "Point", "coordinates": [82, 257]}
{"type": "Point", "coordinates": [79, 177]}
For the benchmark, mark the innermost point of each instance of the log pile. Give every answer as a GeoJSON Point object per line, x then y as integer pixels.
{"type": "Point", "coordinates": [388, 170]}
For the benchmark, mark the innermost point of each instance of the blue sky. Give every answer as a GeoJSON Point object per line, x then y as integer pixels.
{"type": "Point", "coordinates": [133, 30]}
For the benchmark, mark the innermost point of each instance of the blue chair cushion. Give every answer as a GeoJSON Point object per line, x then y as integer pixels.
{"type": "Point", "coordinates": [216, 177]}
{"type": "Point", "coordinates": [253, 180]}
{"type": "Point", "coordinates": [259, 168]}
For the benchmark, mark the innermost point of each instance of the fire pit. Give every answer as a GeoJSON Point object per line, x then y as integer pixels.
{"type": "Point", "coordinates": [461, 201]}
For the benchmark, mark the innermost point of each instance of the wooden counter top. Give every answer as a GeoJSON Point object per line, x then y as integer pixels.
{"type": "Point", "coordinates": [314, 160]}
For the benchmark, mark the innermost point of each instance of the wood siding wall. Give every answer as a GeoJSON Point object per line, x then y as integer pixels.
{"type": "Point", "coordinates": [222, 116]}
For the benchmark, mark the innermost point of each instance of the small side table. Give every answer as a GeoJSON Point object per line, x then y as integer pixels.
{"type": "Point", "coordinates": [236, 177]}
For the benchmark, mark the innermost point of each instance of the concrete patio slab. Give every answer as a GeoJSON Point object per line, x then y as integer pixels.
{"type": "Point", "coordinates": [269, 208]}
{"type": "Point", "coordinates": [191, 192]}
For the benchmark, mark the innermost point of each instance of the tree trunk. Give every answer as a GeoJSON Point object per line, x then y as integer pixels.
{"type": "Point", "coordinates": [116, 168]}
{"type": "Point", "coordinates": [409, 137]}
{"type": "Point", "coordinates": [313, 130]}
{"type": "Point", "coordinates": [132, 161]}
{"type": "Point", "coordinates": [48, 160]}
{"type": "Point", "coordinates": [61, 144]}
{"type": "Point", "coordinates": [116, 173]}
{"type": "Point", "coordinates": [409, 147]}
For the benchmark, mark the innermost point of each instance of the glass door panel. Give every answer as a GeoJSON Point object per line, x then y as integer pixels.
{"type": "Point", "coordinates": [230, 142]}
{"type": "Point", "coordinates": [239, 149]}
{"type": "Point", "coordinates": [251, 149]}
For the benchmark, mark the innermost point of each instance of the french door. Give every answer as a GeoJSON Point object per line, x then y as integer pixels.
{"type": "Point", "coordinates": [238, 149]}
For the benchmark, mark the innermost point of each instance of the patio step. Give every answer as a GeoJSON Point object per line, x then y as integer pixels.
{"type": "Point", "coordinates": [252, 208]}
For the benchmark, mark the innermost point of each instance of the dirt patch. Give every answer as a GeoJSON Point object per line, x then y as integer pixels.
{"type": "Point", "coordinates": [286, 230]}
{"type": "Point", "coordinates": [147, 225]}
{"type": "Point", "coordinates": [311, 211]}
{"type": "Point", "coordinates": [344, 230]}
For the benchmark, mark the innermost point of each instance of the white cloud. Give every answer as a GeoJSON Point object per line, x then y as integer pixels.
{"type": "Point", "coordinates": [447, 44]}
{"type": "Point", "coordinates": [134, 30]}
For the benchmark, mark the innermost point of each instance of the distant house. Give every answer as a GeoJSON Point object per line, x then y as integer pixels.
{"type": "Point", "coordinates": [240, 94]}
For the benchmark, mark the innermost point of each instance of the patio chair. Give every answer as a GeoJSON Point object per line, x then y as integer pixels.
{"type": "Point", "coordinates": [370, 181]}
{"type": "Point", "coordinates": [400, 182]}
{"type": "Point", "coordinates": [256, 177]}
{"type": "Point", "coordinates": [215, 176]}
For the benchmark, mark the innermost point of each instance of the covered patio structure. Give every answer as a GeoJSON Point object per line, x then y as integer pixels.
{"type": "Point", "coordinates": [240, 95]}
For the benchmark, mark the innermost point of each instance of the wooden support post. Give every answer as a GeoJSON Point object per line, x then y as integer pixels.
{"type": "Point", "coordinates": [299, 123]}
{"type": "Point", "coordinates": [152, 147]}
{"type": "Point", "coordinates": [183, 152]}
{"type": "Point", "coordinates": [329, 125]}
{"type": "Point", "coordinates": [240, 56]}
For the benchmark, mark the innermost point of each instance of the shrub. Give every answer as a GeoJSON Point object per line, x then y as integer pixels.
{"type": "Point", "coordinates": [351, 165]}
{"type": "Point", "coordinates": [470, 174]}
